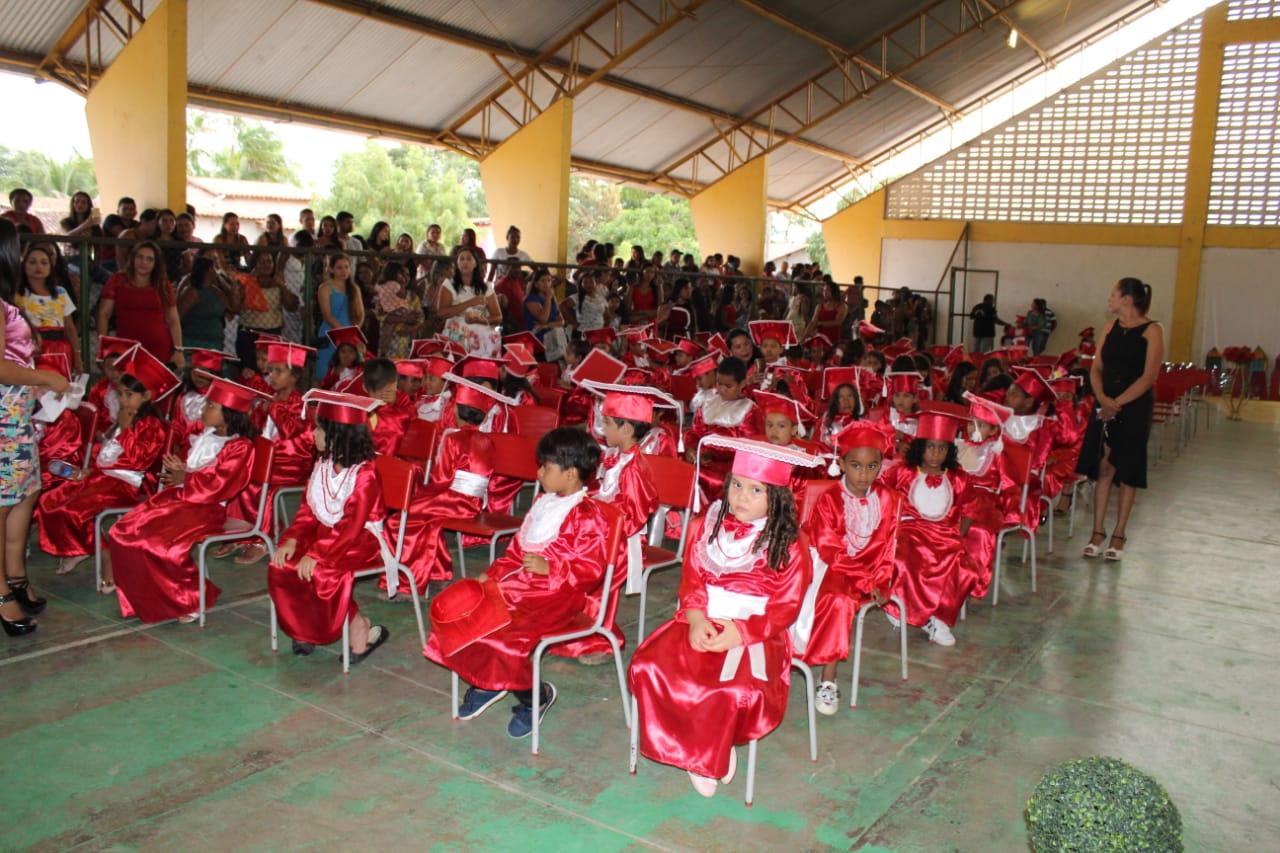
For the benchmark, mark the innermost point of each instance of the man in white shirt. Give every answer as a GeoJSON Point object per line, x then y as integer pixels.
{"type": "Point", "coordinates": [511, 252]}
{"type": "Point", "coordinates": [431, 245]}
{"type": "Point", "coordinates": [346, 225]}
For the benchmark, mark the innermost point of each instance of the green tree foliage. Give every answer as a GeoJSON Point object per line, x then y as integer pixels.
{"type": "Point", "coordinates": [654, 221]}
{"type": "Point", "coordinates": [404, 185]}
{"type": "Point", "coordinates": [45, 176]}
{"type": "Point", "coordinates": [255, 154]}
{"type": "Point", "coordinates": [591, 204]}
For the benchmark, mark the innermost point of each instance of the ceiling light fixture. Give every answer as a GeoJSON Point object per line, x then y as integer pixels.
{"type": "Point", "coordinates": [1013, 37]}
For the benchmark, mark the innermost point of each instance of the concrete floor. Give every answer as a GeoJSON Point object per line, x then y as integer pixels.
{"type": "Point", "coordinates": [169, 737]}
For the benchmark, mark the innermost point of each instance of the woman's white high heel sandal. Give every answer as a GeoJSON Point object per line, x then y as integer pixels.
{"type": "Point", "coordinates": [1113, 553]}
{"type": "Point", "coordinates": [1091, 550]}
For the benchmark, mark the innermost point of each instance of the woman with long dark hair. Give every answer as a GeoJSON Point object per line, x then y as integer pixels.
{"type": "Point", "coordinates": [19, 457]}
{"type": "Point", "coordinates": [1123, 376]}
{"type": "Point", "coordinates": [44, 297]}
{"type": "Point", "coordinates": [470, 310]}
{"type": "Point", "coordinates": [205, 297]}
{"type": "Point", "coordinates": [148, 306]}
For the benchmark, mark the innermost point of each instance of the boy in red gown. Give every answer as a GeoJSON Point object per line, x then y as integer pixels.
{"type": "Point", "coordinates": [338, 531]}
{"type": "Point", "coordinates": [150, 548]}
{"type": "Point", "coordinates": [381, 382]}
{"type": "Point", "coordinates": [552, 566]}
{"type": "Point", "coordinates": [729, 414]}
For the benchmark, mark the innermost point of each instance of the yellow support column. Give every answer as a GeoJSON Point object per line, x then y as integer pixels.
{"type": "Point", "coordinates": [137, 115]}
{"type": "Point", "coordinates": [526, 183]}
{"type": "Point", "coordinates": [853, 239]}
{"type": "Point", "coordinates": [730, 216]}
{"type": "Point", "coordinates": [1195, 204]}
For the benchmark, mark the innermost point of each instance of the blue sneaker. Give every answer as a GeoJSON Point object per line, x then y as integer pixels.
{"type": "Point", "coordinates": [521, 724]}
{"type": "Point", "coordinates": [477, 701]}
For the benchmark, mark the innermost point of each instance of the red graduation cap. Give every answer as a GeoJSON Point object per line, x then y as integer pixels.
{"type": "Point", "coordinates": [423, 347]}
{"type": "Point", "coordinates": [519, 360]}
{"type": "Point", "coordinates": [690, 347]}
{"type": "Point", "coordinates": [349, 335]}
{"type": "Point", "coordinates": [602, 337]}
{"type": "Point", "coordinates": [410, 367]}
{"type": "Point", "coordinates": [860, 433]}
{"type": "Point", "coordinates": [436, 366]}
{"type": "Point", "coordinates": [266, 337]}
{"type": "Point", "coordinates": [285, 352]}
{"type": "Point", "coordinates": [986, 408]}
{"type": "Point", "coordinates": [637, 334]}
{"type": "Point", "coordinates": [110, 346]}
{"type": "Point", "coordinates": [207, 359]}
{"type": "Point", "coordinates": [659, 348]}
{"type": "Point", "coordinates": [1068, 384]}
{"type": "Point", "coordinates": [760, 460]}
{"type": "Point", "coordinates": [868, 330]}
{"type": "Point", "coordinates": [1016, 352]}
{"type": "Point", "coordinates": [635, 402]}
{"type": "Point", "coordinates": [779, 330]}
{"type": "Point", "coordinates": [940, 421]}
{"type": "Point", "coordinates": [776, 404]}
{"type": "Point", "coordinates": [149, 370]}
{"type": "Point", "coordinates": [834, 377]}
{"type": "Point", "coordinates": [340, 408]}
{"type": "Point", "coordinates": [820, 340]}
{"type": "Point", "coordinates": [478, 367]}
{"type": "Point", "coordinates": [527, 339]}
{"type": "Point", "coordinates": [599, 366]}
{"type": "Point", "coordinates": [702, 366]}
{"type": "Point", "coordinates": [716, 343]}
{"type": "Point", "coordinates": [56, 362]}
{"type": "Point", "coordinates": [466, 611]}
{"type": "Point", "coordinates": [475, 395]}
{"type": "Point", "coordinates": [902, 382]}
{"type": "Point", "coordinates": [1032, 382]}
{"type": "Point", "coordinates": [902, 346]}
{"type": "Point", "coordinates": [1086, 332]}
{"type": "Point", "coordinates": [231, 395]}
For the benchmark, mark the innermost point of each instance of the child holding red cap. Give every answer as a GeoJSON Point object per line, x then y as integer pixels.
{"type": "Point", "coordinates": [202, 366]}
{"type": "Point", "coordinates": [553, 565]}
{"type": "Point", "coordinates": [123, 471]}
{"type": "Point", "coordinates": [719, 672]}
{"type": "Point", "coordinates": [105, 393]}
{"type": "Point", "coordinates": [853, 533]}
{"type": "Point", "coordinates": [338, 531]}
{"type": "Point", "coordinates": [149, 549]}
{"type": "Point", "coordinates": [934, 573]}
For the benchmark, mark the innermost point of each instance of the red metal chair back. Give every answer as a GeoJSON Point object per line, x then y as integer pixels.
{"type": "Point", "coordinates": [396, 476]}
{"type": "Point", "coordinates": [419, 441]}
{"type": "Point", "coordinates": [535, 421]}
{"type": "Point", "coordinates": [813, 490]}
{"type": "Point", "coordinates": [87, 415]}
{"type": "Point", "coordinates": [552, 398]}
{"type": "Point", "coordinates": [264, 453]}
{"type": "Point", "coordinates": [683, 387]}
{"type": "Point", "coordinates": [673, 479]}
{"type": "Point", "coordinates": [515, 456]}
{"type": "Point", "coordinates": [548, 373]}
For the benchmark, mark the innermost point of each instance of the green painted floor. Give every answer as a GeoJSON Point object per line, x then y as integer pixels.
{"type": "Point", "coordinates": [169, 737]}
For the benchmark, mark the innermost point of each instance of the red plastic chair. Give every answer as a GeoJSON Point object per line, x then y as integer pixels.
{"type": "Point", "coordinates": [235, 529]}
{"type": "Point", "coordinates": [513, 456]}
{"type": "Point", "coordinates": [683, 387]}
{"type": "Point", "coordinates": [552, 398]}
{"type": "Point", "coordinates": [674, 481]}
{"type": "Point", "coordinates": [87, 415]}
{"type": "Point", "coordinates": [1018, 460]}
{"type": "Point", "coordinates": [419, 443]}
{"type": "Point", "coordinates": [548, 374]}
{"type": "Point", "coordinates": [534, 421]}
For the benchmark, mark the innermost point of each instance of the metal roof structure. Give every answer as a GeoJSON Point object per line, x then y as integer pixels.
{"type": "Point", "coordinates": [669, 94]}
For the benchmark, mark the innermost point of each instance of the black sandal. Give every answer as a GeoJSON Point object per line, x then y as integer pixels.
{"type": "Point", "coordinates": [16, 627]}
{"type": "Point", "coordinates": [384, 634]}
{"type": "Point", "coordinates": [20, 587]}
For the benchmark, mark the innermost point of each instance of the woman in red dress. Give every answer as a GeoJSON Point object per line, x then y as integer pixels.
{"type": "Point", "coordinates": [718, 674]}
{"type": "Point", "coordinates": [144, 305]}
{"type": "Point", "coordinates": [150, 548]}
{"type": "Point", "coordinates": [934, 572]}
{"type": "Point", "coordinates": [337, 532]}
{"type": "Point", "coordinates": [123, 473]}
{"type": "Point", "coordinates": [829, 316]}
{"type": "Point", "coordinates": [643, 297]}
{"type": "Point", "coordinates": [853, 532]}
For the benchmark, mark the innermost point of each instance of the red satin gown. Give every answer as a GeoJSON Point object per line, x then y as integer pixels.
{"type": "Point", "coordinates": [156, 578]}
{"type": "Point", "coordinates": [388, 424]}
{"type": "Point", "coordinates": [104, 395]}
{"type": "Point", "coordinates": [61, 440]}
{"type": "Point", "coordinates": [1040, 440]}
{"type": "Point", "coordinates": [983, 506]}
{"type": "Point", "coordinates": [459, 480]}
{"type": "Point", "coordinates": [629, 488]}
{"type": "Point", "coordinates": [187, 420]}
{"type": "Point", "coordinates": [934, 573]}
{"type": "Point", "coordinates": [1068, 440]}
{"type": "Point", "coordinates": [857, 539]}
{"type": "Point", "coordinates": [695, 706]}
{"type": "Point", "coordinates": [66, 512]}
{"type": "Point", "coordinates": [831, 426]}
{"type": "Point", "coordinates": [314, 611]}
{"type": "Point", "coordinates": [739, 418]}
{"type": "Point", "coordinates": [291, 466]}
{"type": "Point", "coordinates": [539, 604]}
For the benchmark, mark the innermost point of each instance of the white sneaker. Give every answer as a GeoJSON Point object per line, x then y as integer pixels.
{"type": "Point", "coordinates": [704, 785]}
{"type": "Point", "coordinates": [939, 632]}
{"type": "Point", "coordinates": [893, 620]}
{"type": "Point", "coordinates": [828, 699]}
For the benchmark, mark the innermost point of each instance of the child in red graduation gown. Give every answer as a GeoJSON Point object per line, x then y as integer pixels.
{"type": "Point", "coordinates": [1030, 397]}
{"type": "Point", "coordinates": [729, 414]}
{"type": "Point", "coordinates": [577, 405]}
{"type": "Point", "coordinates": [350, 347]}
{"type": "Point", "coordinates": [105, 393]}
{"type": "Point", "coordinates": [719, 672]}
{"type": "Point", "coordinates": [784, 422]}
{"type": "Point", "coordinates": [338, 531]}
{"type": "Point", "coordinates": [934, 572]}
{"type": "Point", "coordinates": [1071, 420]}
{"type": "Point", "coordinates": [188, 415]}
{"type": "Point", "coordinates": [844, 406]}
{"type": "Point", "coordinates": [435, 395]}
{"type": "Point", "coordinates": [555, 562]}
{"type": "Point", "coordinates": [388, 423]}
{"type": "Point", "coordinates": [457, 488]}
{"type": "Point", "coordinates": [150, 548]}
{"type": "Point", "coordinates": [284, 423]}
{"type": "Point", "coordinates": [980, 456]}
{"type": "Point", "coordinates": [60, 433]}
{"type": "Point", "coordinates": [853, 533]}
{"type": "Point", "coordinates": [124, 465]}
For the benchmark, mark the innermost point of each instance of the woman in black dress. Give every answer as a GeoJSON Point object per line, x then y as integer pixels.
{"type": "Point", "coordinates": [1123, 375]}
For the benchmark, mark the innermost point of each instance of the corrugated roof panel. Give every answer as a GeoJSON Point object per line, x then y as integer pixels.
{"type": "Point", "coordinates": [792, 171]}
{"type": "Point", "coordinates": [361, 55]}
{"type": "Point", "coordinates": [415, 88]}
{"type": "Point", "coordinates": [527, 23]}
{"type": "Point", "coordinates": [618, 128]}
{"type": "Point", "coordinates": [216, 34]}
{"type": "Point", "coordinates": [848, 24]}
{"type": "Point", "coordinates": [33, 26]}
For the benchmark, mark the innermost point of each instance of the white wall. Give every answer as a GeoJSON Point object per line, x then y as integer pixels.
{"type": "Point", "coordinates": [1074, 279]}
{"type": "Point", "coordinates": [1239, 300]}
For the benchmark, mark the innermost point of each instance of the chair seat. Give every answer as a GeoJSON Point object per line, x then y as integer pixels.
{"type": "Point", "coordinates": [485, 524]}
{"type": "Point", "coordinates": [655, 556]}
{"type": "Point", "coordinates": [236, 525]}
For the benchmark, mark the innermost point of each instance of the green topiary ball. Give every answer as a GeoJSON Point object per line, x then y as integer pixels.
{"type": "Point", "coordinates": [1101, 804]}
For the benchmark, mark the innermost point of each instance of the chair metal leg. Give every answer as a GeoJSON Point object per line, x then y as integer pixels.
{"type": "Point", "coordinates": [622, 676]}
{"type": "Point", "coordinates": [1024, 550]}
{"type": "Point", "coordinates": [902, 633]}
{"type": "Point", "coordinates": [995, 580]}
{"type": "Point", "coordinates": [537, 693]}
{"type": "Point", "coordinates": [200, 570]}
{"type": "Point", "coordinates": [1071, 512]}
{"type": "Point", "coordinates": [417, 607]}
{"type": "Point", "coordinates": [634, 752]}
{"type": "Point", "coordinates": [1031, 537]}
{"type": "Point", "coordinates": [346, 646]}
{"type": "Point", "coordinates": [751, 773]}
{"type": "Point", "coordinates": [809, 702]}
{"type": "Point", "coordinates": [275, 626]}
{"type": "Point", "coordinates": [857, 651]}
{"type": "Point", "coordinates": [453, 687]}
{"type": "Point", "coordinates": [1049, 522]}
{"type": "Point", "coordinates": [644, 601]}
{"type": "Point", "coordinates": [462, 558]}
{"type": "Point", "coordinates": [964, 610]}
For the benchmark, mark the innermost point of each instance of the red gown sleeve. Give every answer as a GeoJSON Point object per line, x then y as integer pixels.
{"type": "Point", "coordinates": [576, 558]}
{"type": "Point", "coordinates": [142, 444]}
{"type": "Point", "coordinates": [899, 478]}
{"type": "Point", "coordinates": [365, 504]}
{"type": "Point", "coordinates": [637, 497]}
{"type": "Point", "coordinates": [225, 478]}
{"type": "Point", "coordinates": [787, 591]}
{"type": "Point", "coordinates": [303, 530]}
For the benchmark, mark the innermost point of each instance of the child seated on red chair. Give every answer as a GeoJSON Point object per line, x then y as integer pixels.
{"type": "Point", "coordinates": [350, 347]}
{"type": "Point", "coordinates": [719, 672]}
{"type": "Point", "coordinates": [105, 393]}
{"type": "Point", "coordinates": [853, 533]}
{"type": "Point", "coordinates": [457, 489]}
{"type": "Point", "coordinates": [1031, 398]}
{"type": "Point", "coordinates": [284, 423]}
{"type": "Point", "coordinates": [409, 372]}
{"type": "Point", "coordinates": [703, 371]}
{"type": "Point", "coordinates": [729, 414]}
{"type": "Point", "coordinates": [388, 423]}
{"type": "Point", "coordinates": [845, 404]}
{"type": "Point", "coordinates": [551, 568]}
{"type": "Point", "coordinates": [150, 548]}
{"type": "Point", "coordinates": [784, 425]}
{"type": "Point", "coordinates": [123, 471]}
{"type": "Point", "coordinates": [982, 511]}
{"type": "Point", "coordinates": [934, 572]}
{"type": "Point", "coordinates": [60, 434]}
{"type": "Point", "coordinates": [337, 532]}
{"type": "Point", "coordinates": [772, 337]}
{"type": "Point", "coordinates": [435, 395]}
{"type": "Point", "coordinates": [202, 366]}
